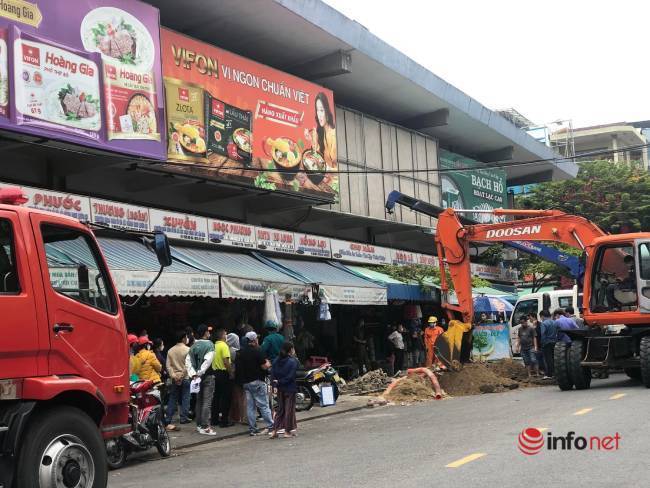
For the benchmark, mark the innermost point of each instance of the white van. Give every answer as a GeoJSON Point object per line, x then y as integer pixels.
{"type": "Point", "coordinates": [534, 303]}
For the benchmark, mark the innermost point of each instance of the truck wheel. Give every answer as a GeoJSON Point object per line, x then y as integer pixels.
{"type": "Point", "coordinates": [633, 373]}
{"type": "Point", "coordinates": [644, 354]}
{"type": "Point", "coordinates": [561, 366]}
{"type": "Point", "coordinates": [62, 446]}
{"type": "Point", "coordinates": [580, 375]}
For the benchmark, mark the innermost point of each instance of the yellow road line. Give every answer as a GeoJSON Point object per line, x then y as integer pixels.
{"type": "Point", "coordinates": [617, 396]}
{"type": "Point", "coordinates": [583, 411]}
{"type": "Point", "coordinates": [466, 459]}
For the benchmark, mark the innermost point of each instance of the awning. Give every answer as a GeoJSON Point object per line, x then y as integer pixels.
{"type": "Point", "coordinates": [396, 290]}
{"type": "Point", "coordinates": [242, 276]}
{"type": "Point", "coordinates": [339, 286]}
{"type": "Point", "coordinates": [133, 267]}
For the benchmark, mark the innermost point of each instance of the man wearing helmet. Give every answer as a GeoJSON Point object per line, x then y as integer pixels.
{"type": "Point", "coordinates": [431, 334]}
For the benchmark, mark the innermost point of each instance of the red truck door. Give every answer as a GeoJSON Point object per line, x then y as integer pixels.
{"type": "Point", "coordinates": [87, 335]}
{"type": "Point", "coordinates": [19, 344]}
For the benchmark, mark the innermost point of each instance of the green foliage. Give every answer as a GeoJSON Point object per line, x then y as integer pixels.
{"type": "Point", "coordinates": [423, 275]}
{"type": "Point", "coordinates": [492, 256]}
{"type": "Point", "coordinates": [616, 196]}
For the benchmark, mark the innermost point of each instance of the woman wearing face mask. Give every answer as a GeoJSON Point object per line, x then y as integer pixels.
{"type": "Point", "coordinates": [323, 136]}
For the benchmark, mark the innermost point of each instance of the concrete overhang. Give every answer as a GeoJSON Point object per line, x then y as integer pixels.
{"type": "Point", "coordinates": [382, 81]}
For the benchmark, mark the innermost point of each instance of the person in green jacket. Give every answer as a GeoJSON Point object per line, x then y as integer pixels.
{"type": "Point", "coordinates": [272, 342]}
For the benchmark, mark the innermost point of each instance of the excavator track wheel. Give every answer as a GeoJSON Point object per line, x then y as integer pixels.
{"type": "Point", "coordinates": [644, 356]}
{"type": "Point", "coordinates": [561, 363]}
{"type": "Point", "coordinates": [580, 376]}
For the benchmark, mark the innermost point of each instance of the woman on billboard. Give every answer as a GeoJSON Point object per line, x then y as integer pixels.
{"type": "Point", "coordinates": [323, 136]}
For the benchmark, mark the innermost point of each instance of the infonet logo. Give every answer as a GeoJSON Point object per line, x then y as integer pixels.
{"type": "Point", "coordinates": [514, 231]}
{"type": "Point", "coordinates": [531, 441]}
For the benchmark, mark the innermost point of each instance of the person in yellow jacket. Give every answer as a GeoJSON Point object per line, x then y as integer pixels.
{"type": "Point", "coordinates": [150, 367]}
{"type": "Point", "coordinates": [431, 334]}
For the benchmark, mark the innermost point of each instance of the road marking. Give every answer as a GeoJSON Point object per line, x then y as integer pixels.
{"type": "Point", "coordinates": [466, 459]}
{"type": "Point", "coordinates": [617, 396]}
{"type": "Point", "coordinates": [583, 411]}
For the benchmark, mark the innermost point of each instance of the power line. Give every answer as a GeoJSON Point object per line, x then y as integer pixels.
{"type": "Point", "coordinates": [505, 165]}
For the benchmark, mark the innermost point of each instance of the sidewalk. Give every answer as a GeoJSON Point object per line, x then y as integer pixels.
{"type": "Point", "coordinates": [188, 437]}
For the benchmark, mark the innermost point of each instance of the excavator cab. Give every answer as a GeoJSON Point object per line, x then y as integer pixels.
{"type": "Point", "coordinates": [613, 281]}
{"type": "Point", "coordinates": [643, 274]}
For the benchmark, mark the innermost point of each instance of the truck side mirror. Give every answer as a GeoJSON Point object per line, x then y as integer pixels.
{"type": "Point", "coordinates": [546, 302]}
{"type": "Point", "coordinates": [162, 249]}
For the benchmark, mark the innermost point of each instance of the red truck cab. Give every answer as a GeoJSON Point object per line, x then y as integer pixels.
{"type": "Point", "coordinates": [64, 379]}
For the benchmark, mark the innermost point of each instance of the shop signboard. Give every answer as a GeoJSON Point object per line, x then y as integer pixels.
{"type": "Point", "coordinates": [133, 283]}
{"type": "Point", "coordinates": [491, 341]}
{"type": "Point", "coordinates": [87, 73]}
{"type": "Point", "coordinates": [231, 234]}
{"type": "Point", "coordinates": [74, 206]}
{"type": "Point", "coordinates": [314, 246]}
{"type": "Point", "coordinates": [354, 295]}
{"type": "Point", "coordinates": [120, 215]}
{"type": "Point", "coordinates": [403, 257]}
{"type": "Point", "coordinates": [427, 260]}
{"type": "Point", "coordinates": [233, 119]}
{"type": "Point", "coordinates": [255, 289]}
{"type": "Point", "coordinates": [275, 240]}
{"type": "Point", "coordinates": [480, 189]}
{"type": "Point", "coordinates": [179, 226]}
{"type": "Point", "coordinates": [359, 253]}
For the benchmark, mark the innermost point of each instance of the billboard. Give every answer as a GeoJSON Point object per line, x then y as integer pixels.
{"type": "Point", "coordinates": [233, 119]}
{"type": "Point", "coordinates": [88, 75]}
{"type": "Point", "coordinates": [482, 189]}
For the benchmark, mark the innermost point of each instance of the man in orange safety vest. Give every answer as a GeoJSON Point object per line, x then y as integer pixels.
{"type": "Point", "coordinates": [431, 334]}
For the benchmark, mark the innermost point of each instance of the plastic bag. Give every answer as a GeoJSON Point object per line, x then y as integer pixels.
{"type": "Point", "coordinates": [195, 385]}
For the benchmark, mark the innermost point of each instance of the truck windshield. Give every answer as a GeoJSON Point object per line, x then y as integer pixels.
{"type": "Point", "coordinates": [74, 268]}
{"type": "Point", "coordinates": [523, 309]}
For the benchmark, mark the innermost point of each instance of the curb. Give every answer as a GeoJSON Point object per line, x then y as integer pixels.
{"type": "Point", "coordinates": [245, 433]}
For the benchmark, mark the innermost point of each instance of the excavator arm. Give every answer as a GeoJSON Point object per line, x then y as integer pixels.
{"type": "Point", "coordinates": [453, 239]}
{"type": "Point", "coordinates": [455, 232]}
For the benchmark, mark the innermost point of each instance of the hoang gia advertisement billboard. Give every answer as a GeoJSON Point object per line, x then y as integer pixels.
{"type": "Point", "coordinates": [480, 189]}
{"type": "Point", "coordinates": [237, 120]}
{"type": "Point", "coordinates": [83, 71]}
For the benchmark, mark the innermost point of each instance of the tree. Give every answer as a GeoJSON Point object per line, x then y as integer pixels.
{"type": "Point", "coordinates": [616, 196]}
{"type": "Point", "coordinates": [423, 275]}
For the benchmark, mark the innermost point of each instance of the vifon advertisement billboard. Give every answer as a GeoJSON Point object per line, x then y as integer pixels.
{"type": "Point", "coordinates": [234, 119]}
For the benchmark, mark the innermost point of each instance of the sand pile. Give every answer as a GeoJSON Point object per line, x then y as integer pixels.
{"type": "Point", "coordinates": [414, 388]}
{"type": "Point", "coordinates": [371, 382]}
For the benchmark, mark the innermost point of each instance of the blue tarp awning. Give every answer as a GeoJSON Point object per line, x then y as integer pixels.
{"type": "Point", "coordinates": [396, 290]}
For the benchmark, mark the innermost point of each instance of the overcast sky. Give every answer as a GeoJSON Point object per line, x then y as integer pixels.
{"type": "Point", "coordinates": [581, 60]}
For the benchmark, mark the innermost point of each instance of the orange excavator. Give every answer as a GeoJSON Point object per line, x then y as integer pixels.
{"type": "Point", "coordinates": [616, 288]}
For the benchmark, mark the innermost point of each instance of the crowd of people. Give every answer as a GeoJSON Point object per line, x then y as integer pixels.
{"type": "Point", "coordinates": [538, 336]}
{"type": "Point", "coordinates": [215, 378]}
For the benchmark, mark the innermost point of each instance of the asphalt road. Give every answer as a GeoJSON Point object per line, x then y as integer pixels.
{"type": "Point", "coordinates": [419, 445]}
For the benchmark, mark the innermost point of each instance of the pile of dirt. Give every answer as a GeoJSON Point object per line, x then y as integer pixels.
{"type": "Point", "coordinates": [474, 379]}
{"type": "Point", "coordinates": [508, 368]}
{"type": "Point", "coordinates": [411, 389]}
{"type": "Point", "coordinates": [371, 382]}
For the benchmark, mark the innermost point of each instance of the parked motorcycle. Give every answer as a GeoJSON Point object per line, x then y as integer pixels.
{"type": "Point", "coordinates": [147, 426]}
{"type": "Point", "coordinates": [309, 385]}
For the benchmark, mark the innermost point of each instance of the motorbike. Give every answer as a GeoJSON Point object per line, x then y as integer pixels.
{"type": "Point", "coordinates": [147, 426]}
{"type": "Point", "coordinates": [309, 385]}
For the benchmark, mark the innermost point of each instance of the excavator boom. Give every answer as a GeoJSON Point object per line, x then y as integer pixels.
{"type": "Point", "coordinates": [453, 239]}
